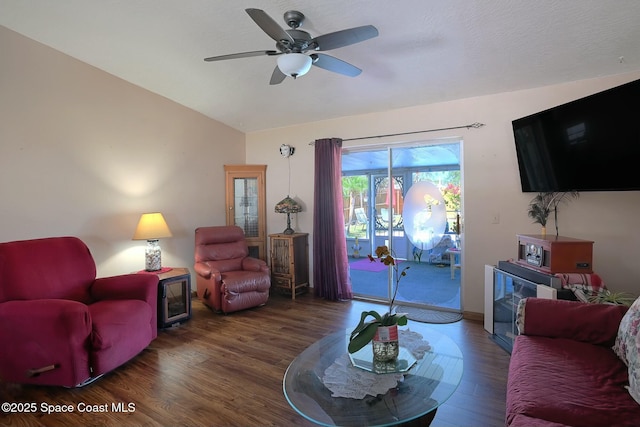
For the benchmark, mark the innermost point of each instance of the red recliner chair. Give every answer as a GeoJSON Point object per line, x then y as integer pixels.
{"type": "Point", "coordinates": [227, 278]}
{"type": "Point", "coordinates": [59, 325]}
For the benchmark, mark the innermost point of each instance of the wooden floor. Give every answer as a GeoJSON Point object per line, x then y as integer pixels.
{"type": "Point", "coordinates": [218, 370]}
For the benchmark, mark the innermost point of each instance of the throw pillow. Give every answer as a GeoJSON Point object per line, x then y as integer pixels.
{"type": "Point", "coordinates": [627, 347]}
{"type": "Point", "coordinates": [520, 315]}
{"type": "Point", "coordinates": [634, 374]}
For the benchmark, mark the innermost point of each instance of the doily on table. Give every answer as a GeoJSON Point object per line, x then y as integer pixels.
{"type": "Point", "coordinates": [345, 380]}
{"type": "Point", "coordinates": [413, 342]}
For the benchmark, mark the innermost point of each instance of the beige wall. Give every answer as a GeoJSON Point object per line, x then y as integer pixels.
{"type": "Point", "coordinates": [84, 153]}
{"type": "Point", "coordinates": [490, 179]}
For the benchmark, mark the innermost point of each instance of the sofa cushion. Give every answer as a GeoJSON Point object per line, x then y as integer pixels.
{"type": "Point", "coordinates": [563, 381]}
{"type": "Point", "coordinates": [627, 347]}
{"type": "Point", "coordinates": [589, 323]}
{"type": "Point", "coordinates": [121, 329]}
{"type": "Point", "coordinates": [49, 268]}
{"type": "Point", "coordinates": [119, 321]}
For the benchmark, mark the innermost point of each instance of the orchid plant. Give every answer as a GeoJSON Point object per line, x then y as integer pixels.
{"type": "Point", "coordinates": [366, 330]}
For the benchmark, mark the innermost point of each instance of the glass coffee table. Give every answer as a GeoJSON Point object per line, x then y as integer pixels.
{"type": "Point", "coordinates": [429, 382]}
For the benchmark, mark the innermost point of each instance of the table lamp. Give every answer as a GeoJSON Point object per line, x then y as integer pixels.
{"type": "Point", "coordinates": [152, 227]}
{"type": "Point", "coordinates": [288, 206]}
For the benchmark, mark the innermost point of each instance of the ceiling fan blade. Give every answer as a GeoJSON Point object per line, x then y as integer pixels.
{"type": "Point", "coordinates": [346, 37]}
{"type": "Point", "coordinates": [269, 26]}
{"type": "Point", "coordinates": [277, 77]}
{"type": "Point", "coordinates": [336, 65]}
{"type": "Point", "coordinates": [243, 55]}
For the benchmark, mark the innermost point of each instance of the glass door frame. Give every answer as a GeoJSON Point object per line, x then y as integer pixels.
{"type": "Point", "coordinates": [407, 173]}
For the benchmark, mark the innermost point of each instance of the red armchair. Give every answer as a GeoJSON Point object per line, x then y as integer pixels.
{"type": "Point", "coordinates": [227, 278]}
{"type": "Point", "coordinates": [63, 325]}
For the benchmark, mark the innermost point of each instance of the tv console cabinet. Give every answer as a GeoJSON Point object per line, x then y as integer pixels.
{"type": "Point", "coordinates": [505, 285]}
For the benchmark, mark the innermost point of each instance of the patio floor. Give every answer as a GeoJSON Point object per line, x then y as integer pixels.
{"type": "Point", "coordinates": [425, 284]}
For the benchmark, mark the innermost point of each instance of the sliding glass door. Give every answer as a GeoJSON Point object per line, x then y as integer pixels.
{"type": "Point", "coordinates": [409, 199]}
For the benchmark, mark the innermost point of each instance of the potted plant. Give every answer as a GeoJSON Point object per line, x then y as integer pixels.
{"type": "Point", "coordinates": [381, 324]}
{"type": "Point", "coordinates": [542, 204]}
{"type": "Point", "coordinates": [608, 297]}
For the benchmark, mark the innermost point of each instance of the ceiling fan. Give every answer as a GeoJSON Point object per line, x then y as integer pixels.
{"type": "Point", "coordinates": [293, 44]}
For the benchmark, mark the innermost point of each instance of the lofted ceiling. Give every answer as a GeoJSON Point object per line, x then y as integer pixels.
{"type": "Point", "coordinates": [427, 51]}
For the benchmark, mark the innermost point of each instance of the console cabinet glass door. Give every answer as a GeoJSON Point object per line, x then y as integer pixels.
{"type": "Point", "coordinates": [246, 208]}
{"type": "Point", "coordinates": [508, 291]}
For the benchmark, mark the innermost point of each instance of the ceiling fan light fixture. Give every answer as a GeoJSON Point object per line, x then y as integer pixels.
{"type": "Point", "coordinates": [294, 43]}
{"type": "Point", "coordinates": [294, 64]}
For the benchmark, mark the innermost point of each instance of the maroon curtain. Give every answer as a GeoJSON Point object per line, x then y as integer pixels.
{"type": "Point", "coordinates": [330, 262]}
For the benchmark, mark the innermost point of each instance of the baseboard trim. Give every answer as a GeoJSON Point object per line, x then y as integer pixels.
{"type": "Point", "coordinates": [472, 315]}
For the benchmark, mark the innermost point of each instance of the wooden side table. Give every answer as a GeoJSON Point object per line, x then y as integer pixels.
{"type": "Point", "coordinates": [290, 262]}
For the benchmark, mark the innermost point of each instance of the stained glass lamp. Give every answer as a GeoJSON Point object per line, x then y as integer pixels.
{"type": "Point", "coordinates": [288, 206]}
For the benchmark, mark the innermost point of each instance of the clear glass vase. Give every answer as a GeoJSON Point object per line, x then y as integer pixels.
{"type": "Point", "coordinates": [385, 344]}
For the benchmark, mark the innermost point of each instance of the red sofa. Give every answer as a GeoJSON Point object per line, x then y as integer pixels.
{"type": "Point", "coordinates": [564, 370]}
{"type": "Point", "coordinates": [59, 325]}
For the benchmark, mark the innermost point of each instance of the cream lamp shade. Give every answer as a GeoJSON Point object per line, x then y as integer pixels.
{"type": "Point", "coordinates": [152, 227]}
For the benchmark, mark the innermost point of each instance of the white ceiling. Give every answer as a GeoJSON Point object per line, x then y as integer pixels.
{"type": "Point", "coordinates": [427, 51]}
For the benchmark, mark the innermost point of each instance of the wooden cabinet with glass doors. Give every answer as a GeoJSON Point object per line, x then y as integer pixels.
{"type": "Point", "coordinates": [246, 204]}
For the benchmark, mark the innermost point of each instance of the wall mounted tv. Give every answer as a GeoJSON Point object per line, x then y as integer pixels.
{"type": "Point", "coordinates": [591, 144]}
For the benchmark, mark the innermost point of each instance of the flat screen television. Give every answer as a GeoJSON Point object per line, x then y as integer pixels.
{"type": "Point", "coordinates": [591, 144]}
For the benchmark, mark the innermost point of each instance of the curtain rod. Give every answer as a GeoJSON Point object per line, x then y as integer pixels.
{"type": "Point", "coordinates": [475, 125]}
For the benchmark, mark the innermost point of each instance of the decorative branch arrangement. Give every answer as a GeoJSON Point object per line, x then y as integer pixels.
{"type": "Point", "coordinates": [542, 204]}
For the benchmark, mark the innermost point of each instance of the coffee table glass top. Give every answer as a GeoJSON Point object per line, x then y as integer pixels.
{"type": "Point", "coordinates": [425, 386]}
